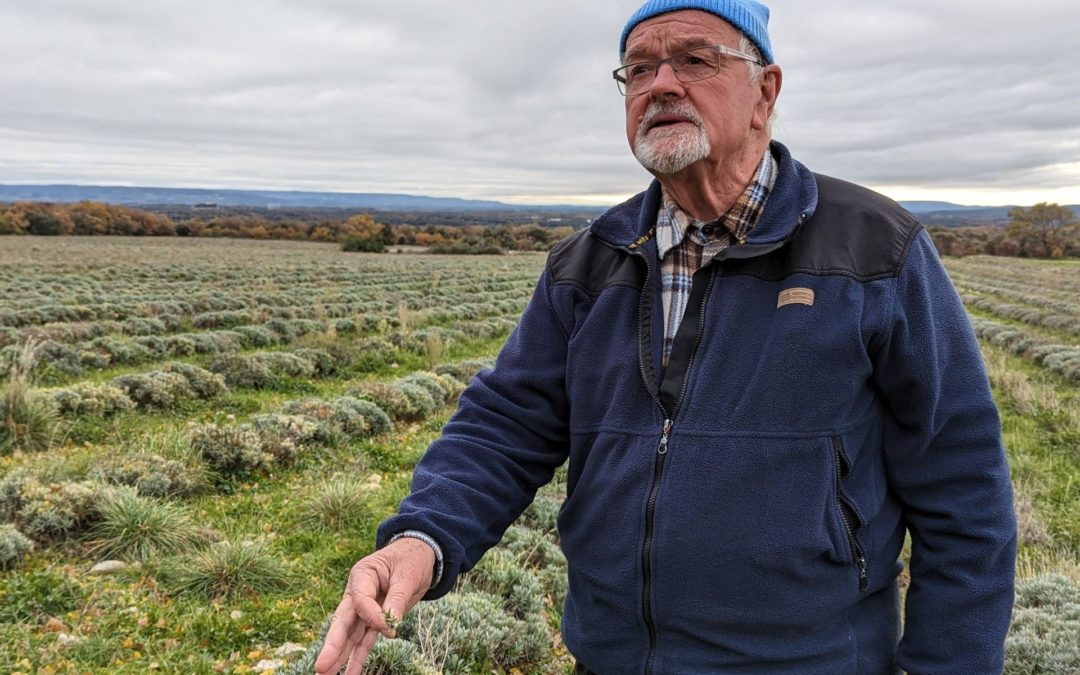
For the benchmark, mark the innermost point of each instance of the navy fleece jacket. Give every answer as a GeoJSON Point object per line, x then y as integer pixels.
{"type": "Point", "coordinates": [744, 510]}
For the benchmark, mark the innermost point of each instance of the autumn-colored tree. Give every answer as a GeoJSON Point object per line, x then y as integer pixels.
{"type": "Point", "coordinates": [45, 219]}
{"type": "Point", "coordinates": [362, 233]}
{"type": "Point", "coordinates": [12, 221]}
{"type": "Point", "coordinates": [1045, 230]}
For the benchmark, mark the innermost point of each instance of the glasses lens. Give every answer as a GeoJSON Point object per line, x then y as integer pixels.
{"type": "Point", "coordinates": [696, 64]}
{"type": "Point", "coordinates": [637, 77]}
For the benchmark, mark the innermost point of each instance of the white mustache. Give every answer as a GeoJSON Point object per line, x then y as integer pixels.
{"type": "Point", "coordinates": [656, 109]}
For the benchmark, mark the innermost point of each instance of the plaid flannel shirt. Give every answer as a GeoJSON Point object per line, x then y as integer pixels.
{"type": "Point", "coordinates": [686, 244]}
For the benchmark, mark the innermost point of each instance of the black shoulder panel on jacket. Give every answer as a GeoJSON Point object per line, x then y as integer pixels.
{"type": "Point", "coordinates": [854, 232]}
{"type": "Point", "coordinates": [584, 261]}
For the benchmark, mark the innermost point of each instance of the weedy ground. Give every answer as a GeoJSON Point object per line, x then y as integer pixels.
{"type": "Point", "coordinates": [236, 547]}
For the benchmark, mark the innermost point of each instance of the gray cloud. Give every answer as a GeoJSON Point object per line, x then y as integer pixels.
{"type": "Point", "coordinates": [489, 99]}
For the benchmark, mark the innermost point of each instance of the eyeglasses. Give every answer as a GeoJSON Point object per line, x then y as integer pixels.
{"type": "Point", "coordinates": [699, 63]}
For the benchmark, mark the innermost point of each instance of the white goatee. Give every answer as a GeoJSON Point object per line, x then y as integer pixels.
{"type": "Point", "coordinates": [671, 149]}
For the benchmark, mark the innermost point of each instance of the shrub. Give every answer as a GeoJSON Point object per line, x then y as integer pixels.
{"type": "Point", "coordinates": [282, 328]}
{"type": "Point", "coordinates": [542, 514]}
{"type": "Point", "coordinates": [49, 512]}
{"type": "Point", "coordinates": [463, 371]}
{"type": "Point", "coordinates": [140, 528]}
{"type": "Point", "coordinates": [223, 319]}
{"type": "Point", "coordinates": [13, 545]}
{"type": "Point", "coordinates": [155, 389]}
{"type": "Point", "coordinates": [231, 450]}
{"type": "Point", "coordinates": [1045, 632]}
{"type": "Point", "coordinates": [306, 326]}
{"type": "Point", "coordinates": [144, 326]}
{"type": "Point", "coordinates": [285, 363]}
{"type": "Point", "coordinates": [205, 384]}
{"type": "Point", "coordinates": [282, 450]}
{"type": "Point", "coordinates": [472, 627]}
{"type": "Point", "coordinates": [374, 353]}
{"type": "Point", "coordinates": [407, 401]}
{"type": "Point", "coordinates": [243, 371]}
{"type": "Point", "coordinates": [356, 417]}
{"type": "Point", "coordinates": [180, 345]}
{"type": "Point", "coordinates": [152, 475]}
{"type": "Point", "coordinates": [443, 388]}
{"type": "Point", "coordinates": [121, 351]}
{"type": "Point", "coordinates": [215, 342]}
{"type": "Point", "coordinates": [343, 417]}
{"type": "Point", "coordinates": [344, 325]}
{"type": "Point", "coordinates": [396, 657]}
{"type": "Point", "coordinates": [92, 359]}
{"type": "Point", "coordinates": [258, 336]}
{"type": "Point", "coordinates": [227, 571]}
{"type": "Point", "coordinates": [501, 574]}
{"type": "Point", "coordinates": [88, 398]}
{"type": "Point", "coordinates": [152, 342]}
{"type": "Point", "coordinates": [325, 364]}
{"type": "Point", "coordinates": [300, 430]}
{"type": "Point", "coordinates": [59, 357]}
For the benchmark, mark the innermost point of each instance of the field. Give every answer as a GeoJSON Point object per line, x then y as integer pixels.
{"type": "Point", "coordinates": [207, 433]}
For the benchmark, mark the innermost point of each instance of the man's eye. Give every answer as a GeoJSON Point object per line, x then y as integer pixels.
{"type": "Point", "coordinates": [641, 69]}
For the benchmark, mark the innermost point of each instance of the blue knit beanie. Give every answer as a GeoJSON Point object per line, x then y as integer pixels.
{"type": "Point", "coordinates": [748, 16]}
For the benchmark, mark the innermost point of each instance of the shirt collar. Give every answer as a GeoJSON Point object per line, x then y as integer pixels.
{"type": "Point", "coordinates": [673, 224]}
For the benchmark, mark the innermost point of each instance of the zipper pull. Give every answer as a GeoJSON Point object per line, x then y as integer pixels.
{"type": "Point", "coordinates": [664, 437]}
{"type": "Point", "coordinates": [862, 574]}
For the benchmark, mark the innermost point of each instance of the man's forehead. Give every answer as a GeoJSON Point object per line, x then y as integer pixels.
{"type": "Point", "coordinates": [683, 29]}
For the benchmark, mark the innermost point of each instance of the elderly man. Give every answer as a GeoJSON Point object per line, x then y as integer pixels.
{"type": "Point", "coordinates": [762, 379]}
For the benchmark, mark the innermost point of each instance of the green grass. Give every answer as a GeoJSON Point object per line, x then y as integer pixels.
{"type": "Point", "coordinates": [139, 528]}
{"type": "Point", "coordinates": [1040, 417]}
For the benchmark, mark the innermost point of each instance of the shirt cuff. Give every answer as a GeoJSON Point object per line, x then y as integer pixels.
{"type": "Point", "coordinates": [416, 534]}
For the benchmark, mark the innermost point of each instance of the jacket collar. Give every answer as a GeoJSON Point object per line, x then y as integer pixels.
{"type": "Point", "coordinates": [791, 202]}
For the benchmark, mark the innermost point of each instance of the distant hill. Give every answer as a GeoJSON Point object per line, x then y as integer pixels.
{"type": "Point", "coordinates": [931, 213]}
{"type": "Point", "coordinates": [931, 207]}
{"type": "Point", "coordinates": [946, 214]}
{"type": "Point", "coordinates": [141, 196]}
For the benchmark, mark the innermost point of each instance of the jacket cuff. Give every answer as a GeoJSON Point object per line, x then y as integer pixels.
{"type": "Point", "coordinates": [427, 539]}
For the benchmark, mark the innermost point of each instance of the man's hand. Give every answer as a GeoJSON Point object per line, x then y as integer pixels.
{"type": "Point", "coordinates": [390, 580]}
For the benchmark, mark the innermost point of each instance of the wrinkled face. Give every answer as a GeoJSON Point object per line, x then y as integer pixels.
{"type": "Point", "coordinates": [674, 124]}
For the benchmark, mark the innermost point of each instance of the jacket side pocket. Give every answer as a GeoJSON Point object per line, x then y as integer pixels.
{"type": "Point", "coordinates": [848, 516]}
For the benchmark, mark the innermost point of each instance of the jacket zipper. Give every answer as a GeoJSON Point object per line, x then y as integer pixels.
{"type": "Point", "coordinates": [665, 434]}
{"type": "Point", "coordinates": [658, 471]}
{"type": "Point", "coordinates": [646, 550]}
{"type": "Point", "coordinates": [658, 468]}
{"type": "Point", "coordinates": [856, 550]}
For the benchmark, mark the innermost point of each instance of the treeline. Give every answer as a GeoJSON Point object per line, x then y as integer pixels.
{"type": "Point", "coordinates": [547, 217]}
{"type": "Point", "coordinates": [360, 232]}
{"type": "Point", "coordinates": [1043, 231]}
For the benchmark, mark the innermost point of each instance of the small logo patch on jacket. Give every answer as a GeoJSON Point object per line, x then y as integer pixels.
{"type": "Point", "coordinates": [795, 296]}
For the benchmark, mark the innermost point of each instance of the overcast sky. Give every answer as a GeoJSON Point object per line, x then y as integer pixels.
{"type": "Point", "coordinates": [963, 100]}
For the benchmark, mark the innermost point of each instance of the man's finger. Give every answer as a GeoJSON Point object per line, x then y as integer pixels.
{"type": "Point", "coordinates": [360, 652]}
{"type": "Point", "coordinates": [356, 633]}
{"type": "Point", "coordinates": [337, 636]}
{"type": "Point", "coordinates": [364, 592]}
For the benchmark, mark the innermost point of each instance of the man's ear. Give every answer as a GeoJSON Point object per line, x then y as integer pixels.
{"type": "Point", "coordinates": [772, 78]}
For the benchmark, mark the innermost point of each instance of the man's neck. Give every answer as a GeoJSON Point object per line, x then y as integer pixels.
{"type": "Point", "coordinates": [707, 189]}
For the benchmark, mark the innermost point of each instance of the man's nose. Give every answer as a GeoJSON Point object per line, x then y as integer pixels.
{"type": "Point", "coordinates": [665, 84]}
